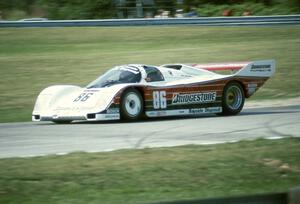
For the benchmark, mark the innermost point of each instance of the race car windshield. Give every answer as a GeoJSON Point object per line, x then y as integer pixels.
{"type": "Point", "coordinates": [119, 75]}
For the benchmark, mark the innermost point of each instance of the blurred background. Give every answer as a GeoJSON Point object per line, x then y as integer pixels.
{"type": "Point", "coordinates": [104, 9]}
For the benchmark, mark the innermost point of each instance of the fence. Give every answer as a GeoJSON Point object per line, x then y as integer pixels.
{"type": "Point", "coordinates": [202, 21]}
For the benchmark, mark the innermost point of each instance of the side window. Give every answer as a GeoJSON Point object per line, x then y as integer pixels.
{"type": "Point", "coordinates": [153, 74]}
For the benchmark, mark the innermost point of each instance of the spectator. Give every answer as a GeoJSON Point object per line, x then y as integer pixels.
{"type": "Point", "coordinates": [247, 13]}
{"type": "Point", "coordinates": [227, 12]}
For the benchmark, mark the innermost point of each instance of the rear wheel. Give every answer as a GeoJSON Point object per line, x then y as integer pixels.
{"type": "Point", "coordinates": [131, 105]}
{"type": "Point", "coordinates": [233, 99]}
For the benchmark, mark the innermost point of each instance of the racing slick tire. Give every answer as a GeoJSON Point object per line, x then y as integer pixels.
{"type": "Point", "coordinates": [233, 99]}
{"type": "Point", "coordinates": [132, 105]}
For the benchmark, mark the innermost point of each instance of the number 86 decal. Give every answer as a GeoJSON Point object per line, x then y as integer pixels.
{"type": "Point", "coordinates": [159, 99]}
{"type": "Point", "coordinates": [83, 97]}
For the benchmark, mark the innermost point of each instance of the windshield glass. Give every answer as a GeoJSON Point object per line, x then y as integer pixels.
{"type": "Point", "coordinates": [118, 75]}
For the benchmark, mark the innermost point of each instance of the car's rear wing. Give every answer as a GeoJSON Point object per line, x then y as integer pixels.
{"type": "Point", "coordinates": [263, 68]}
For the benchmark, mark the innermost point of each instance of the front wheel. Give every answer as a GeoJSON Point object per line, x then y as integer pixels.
{"type": "Point", "coordinates": [233, 99]}
{"type": "Point", "coordinates": [131, 105]}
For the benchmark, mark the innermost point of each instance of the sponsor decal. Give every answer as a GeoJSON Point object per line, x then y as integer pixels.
{"type": "Point", "coordinates": [193, 98]}
{"type": "Point", "coordinates": [112, 110]}
{"type": "Point", "coordinates": [197, 110]}
{"type": "Point", "coordinates": [111, 116]}
{"type": "Point", "coordinates": [213, 110]}
{"type": "Point", "coordinates": [261, 68]}
{"type": "Point", "coordinates": [91, 90]}
{"type": "Point", "coordinates": [205, 110]}
{"type": "Point", "coordinates": [156, 113]}
{"type": "Point", "coordinates": [61, 109]}
{"type": "Point", "coordinates": [193, 111]}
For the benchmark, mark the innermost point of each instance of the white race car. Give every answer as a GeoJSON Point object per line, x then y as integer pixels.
{"type": "Point", "coordinates": [134, 91]}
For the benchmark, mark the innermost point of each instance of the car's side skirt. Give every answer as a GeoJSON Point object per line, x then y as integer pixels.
{"type": "Point", "coordinates": [181, 112]}
{"type": "Point", "coordinates": [111, 116]}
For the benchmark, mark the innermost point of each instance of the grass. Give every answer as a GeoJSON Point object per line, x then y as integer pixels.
{"type": "Point", "coordinates": [34, 58]}
{"type": "Point", "coordinates": [153, 175]}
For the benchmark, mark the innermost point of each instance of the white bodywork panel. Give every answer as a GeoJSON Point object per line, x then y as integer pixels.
{"type": "Point", "coordinates": [58, 102]}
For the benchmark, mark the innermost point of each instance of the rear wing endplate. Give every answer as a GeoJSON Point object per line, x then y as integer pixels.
{"type": "Point", "coordinates": [262, 68]}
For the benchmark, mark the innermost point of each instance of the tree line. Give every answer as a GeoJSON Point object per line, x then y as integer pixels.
{"type": "Point", "coordinates": [103, 9]}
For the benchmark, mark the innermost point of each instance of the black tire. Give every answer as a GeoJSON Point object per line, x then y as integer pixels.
{"type": "Point", "coordinates": [233, 99]}
{"type": "Point", "coordinates": [132, 105]}
{"type": "Point", "coordinates": [62, 121]}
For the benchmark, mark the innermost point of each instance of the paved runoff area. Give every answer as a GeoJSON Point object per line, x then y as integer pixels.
{"type": "Point", "coordinates": [43, 138]}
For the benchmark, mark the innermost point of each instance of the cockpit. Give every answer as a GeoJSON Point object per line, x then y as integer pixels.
{"type": "Point", "coordinates": [117, 75]}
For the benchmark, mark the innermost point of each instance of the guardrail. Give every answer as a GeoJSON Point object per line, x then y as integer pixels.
{"type": "Point", "coordinates": [291, 197]}
{"type": "Point", "coordinates": [204, 21]}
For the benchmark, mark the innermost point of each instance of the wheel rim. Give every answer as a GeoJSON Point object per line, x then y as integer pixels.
{"type": "Point", "coordinates": [133, 104]}
{"type": "Point", "coordinates": [234, 97]}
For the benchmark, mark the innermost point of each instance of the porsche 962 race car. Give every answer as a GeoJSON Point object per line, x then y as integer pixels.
{"type": "Point", "coordinates": [133, 91]}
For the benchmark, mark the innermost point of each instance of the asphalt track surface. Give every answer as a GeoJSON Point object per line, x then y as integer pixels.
{"type": "Point", "coordinates": [38, 139]}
